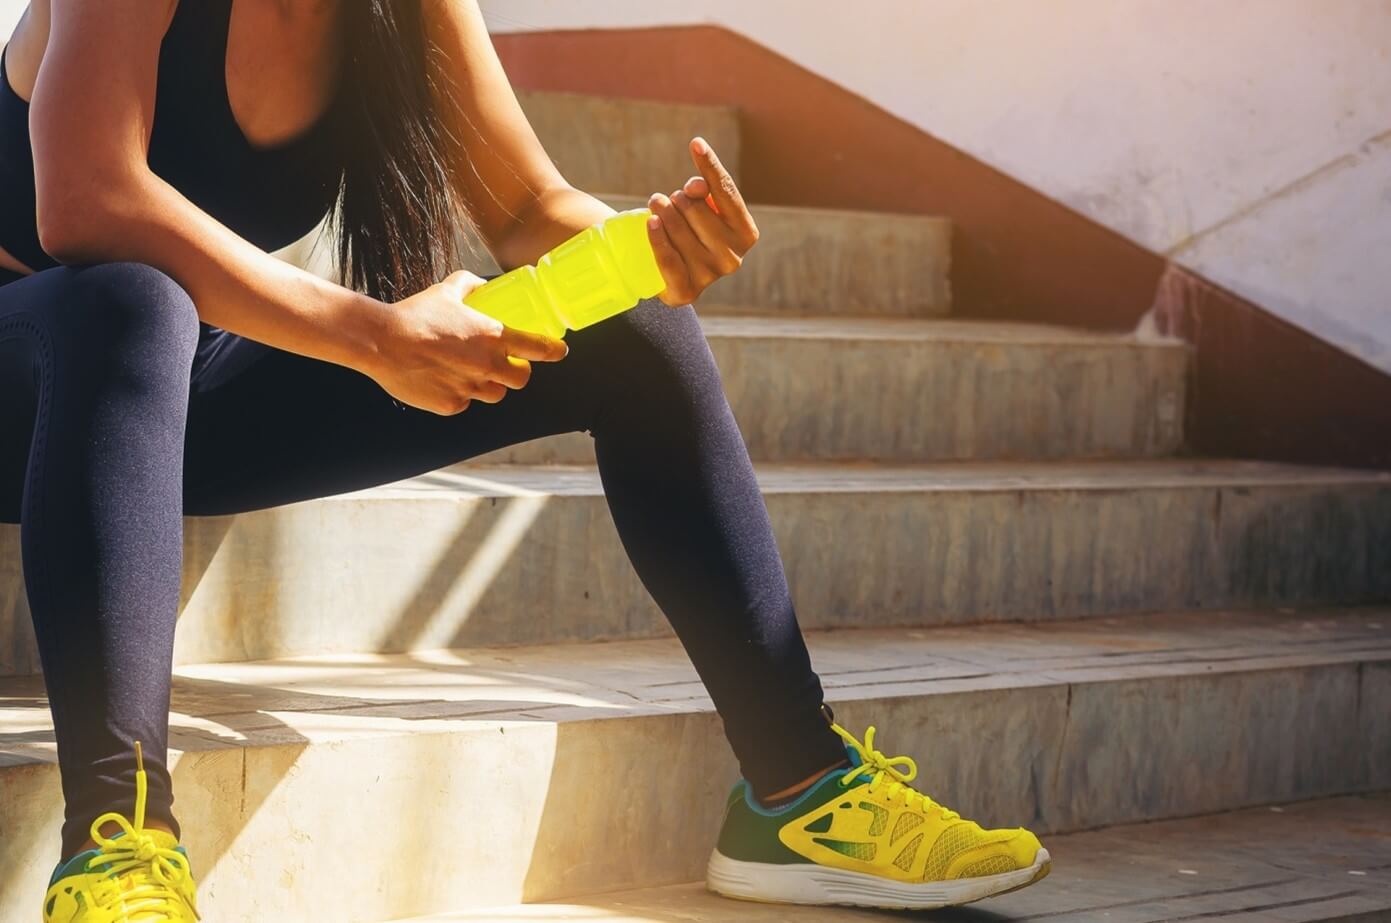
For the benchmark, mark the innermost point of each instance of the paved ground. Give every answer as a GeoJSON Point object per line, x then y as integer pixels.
{"type": "Point", "coordinates": [1319, 860]}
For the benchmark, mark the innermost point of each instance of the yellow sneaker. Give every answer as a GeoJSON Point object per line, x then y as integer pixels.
{"type": "Point", "coordinates": [862, 836]}
{"type": "Point", "coordinates": [136, 876]}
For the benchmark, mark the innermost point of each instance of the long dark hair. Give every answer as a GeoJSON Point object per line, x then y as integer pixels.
{"type": "Point", "coordinates": [400, 213]}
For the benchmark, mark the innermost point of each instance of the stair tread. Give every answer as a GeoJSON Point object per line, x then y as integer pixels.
{"type": "Point", "coordinates": [638, 102]}
{"type": "Point", "coordinates": [620, 201]}
{"type": "Point", "coordinates": [325, 698]}
{"type": "Point", "coordinates": [1316, 860]}
{"type": "Point", "coordinates": [730, 323]}
{"type": "Point", "coordinates": [858, 477]}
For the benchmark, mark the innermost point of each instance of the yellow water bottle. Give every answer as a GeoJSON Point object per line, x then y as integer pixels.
{"type": "Point", "coordinates": [603, 270]}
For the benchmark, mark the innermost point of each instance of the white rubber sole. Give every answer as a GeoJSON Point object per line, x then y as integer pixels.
{"type": "Point", "coordinates": [815, 884]}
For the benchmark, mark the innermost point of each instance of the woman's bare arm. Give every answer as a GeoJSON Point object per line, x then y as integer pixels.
{"type": "Point", "coordinates": [98, 201]}
{"type": "Point", "coordinates": [523, 206]}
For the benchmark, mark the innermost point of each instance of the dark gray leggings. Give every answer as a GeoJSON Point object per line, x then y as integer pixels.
{"type": "Point", "coordinates": [120, 412]}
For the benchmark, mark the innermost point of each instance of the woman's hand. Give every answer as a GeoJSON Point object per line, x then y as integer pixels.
{"type": "Point", "coordinates": [439, 354]}
{"type": "Point", "coordinates": [702, 231]}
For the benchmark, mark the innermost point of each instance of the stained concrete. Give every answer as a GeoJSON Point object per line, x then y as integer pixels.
{"type": "Point", "coordinates": [629, 146]}
{"type": "Point", "coordinates": [835, 262]}
{"type": "Point", "coordinates": [475, 555]}
{"type": "Point", "coordinates": [1316, 861]}
{"type": "Point", "coordinates": [842, 389]}
{"type": "Point", "coordinates": [489, 775]}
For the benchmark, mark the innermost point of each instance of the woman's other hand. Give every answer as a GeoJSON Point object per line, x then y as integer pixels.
{"type": "Point", "coordinates": [702, 230]}
{"type": "Point", "coordinates": [439, 354]}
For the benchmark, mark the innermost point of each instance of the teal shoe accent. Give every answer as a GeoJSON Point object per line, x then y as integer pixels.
{"type": "Point", "coordinates": [750, 831]}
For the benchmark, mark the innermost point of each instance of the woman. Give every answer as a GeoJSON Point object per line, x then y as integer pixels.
{"type": "Point", "coordinates": [157, 361]}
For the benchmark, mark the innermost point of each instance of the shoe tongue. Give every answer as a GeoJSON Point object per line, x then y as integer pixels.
{"type": "Point", "coordinates": [854, 756]}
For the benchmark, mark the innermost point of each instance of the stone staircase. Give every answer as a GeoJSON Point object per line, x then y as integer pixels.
{"type": "Point", "coordinates": [451, 699]}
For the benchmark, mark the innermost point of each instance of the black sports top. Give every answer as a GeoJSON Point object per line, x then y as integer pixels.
{"type": "Point", "coordinates": [271, 196]}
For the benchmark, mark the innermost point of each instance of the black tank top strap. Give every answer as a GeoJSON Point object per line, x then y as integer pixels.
{"type": "Point", "coordinates": [193, 68]}
{"type": "Point", "coordinates": [193, 56]}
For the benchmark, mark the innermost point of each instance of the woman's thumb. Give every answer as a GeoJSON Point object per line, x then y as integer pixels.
{"type": "Point", "coordinates": [462, 282]}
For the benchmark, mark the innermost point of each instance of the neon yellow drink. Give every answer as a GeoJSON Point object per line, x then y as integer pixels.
{"type": "Point", "coordinates": [602, 271]}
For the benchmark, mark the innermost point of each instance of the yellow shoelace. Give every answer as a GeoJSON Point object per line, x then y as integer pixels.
{"type": "Point", "coordinates": [878, 767]}
{"type": "Point", "coordinates": [142, 877]}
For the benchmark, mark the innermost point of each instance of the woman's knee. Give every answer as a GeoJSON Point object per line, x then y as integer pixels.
{"type": "Point", "coordinates": [127, 312]}
{"type": "Point", "coordinates": [125, 307]}
{"type": "Point", "coordinates": [658, 339]}
{"type": "Point", "coordinates": [652, 359]}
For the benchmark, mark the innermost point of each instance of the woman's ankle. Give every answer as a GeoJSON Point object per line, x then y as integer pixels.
{"type": "Point", "coordinates": [111, 829]}
{"type": "Point", "coordinates": [792, 792]}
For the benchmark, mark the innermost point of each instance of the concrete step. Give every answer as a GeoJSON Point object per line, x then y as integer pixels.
{"type": "Point", "coordinates": [1327, 860]}
{"type": "Point", "coordinates": [631, 146]}
{"type": "Point", "coordinates": [366, 787]}
{"type": "Point", "coordinates": [507, 554]}
{"type": "Point", "coordinates": [853, 389]}
{"type": "Point", "coordinates": [838, 262]}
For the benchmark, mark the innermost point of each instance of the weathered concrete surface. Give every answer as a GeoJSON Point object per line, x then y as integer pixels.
{"type": "Point", "coordinates": [477, 773]}
{"type": "Point", "coordinates": [472, 555]}
{"type": "Point", "coordinates": [1317, 861]}
{"type": "Point", "coordinates": [840, 389]}
{"type": "Point", "coordinates": [628, 146]}
{"type": "Point", "coordinates": [835, 262]}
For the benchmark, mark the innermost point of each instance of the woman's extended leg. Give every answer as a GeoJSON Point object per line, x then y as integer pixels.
{"type": "Point", "coordinates": [94, 376]}
{"type": "Point", "coordinates": [268, 427]}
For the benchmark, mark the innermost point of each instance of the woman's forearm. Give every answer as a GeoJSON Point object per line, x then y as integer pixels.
{"type": "Point", "coordinates": [234, 284]}
{"type": "Point", "coordinates": [553, 217]}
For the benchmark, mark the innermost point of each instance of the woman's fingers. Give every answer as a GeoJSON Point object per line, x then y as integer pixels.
{"type": "Point", "coordinates": [534, 346]}
{"type": "Point", "coordinates": [717, 238]}
{"type": "Point", "coordinates": [489, 392]}
{"type": "Point", "coordinates": [512, 372]}
{"type": "Point", "coordinates": [463, 282]}
{"type": "Point", "coordinates": [698, 262]}
{"type": "Point", "coordinates": [681, 233]}
{"type": "Point", "coordinates": [729, 202]}
{"type": "Point", "coordinates": [699, 190]}
{"type": "Point", "coordinates": [671, 263]}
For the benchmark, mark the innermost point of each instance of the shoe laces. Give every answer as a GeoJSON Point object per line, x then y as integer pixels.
{"type": "Point", "coordinates": [879, 769]}
{"type": "Point", "coordinates": [143, 878]}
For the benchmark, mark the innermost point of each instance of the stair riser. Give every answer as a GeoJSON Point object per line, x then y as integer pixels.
{"type": "Point", "coordinates": [827, 262]}
{"type": "Point", "coordinates": [389, 574]}
{"type": "Point", "coordinates": [807, 262]}
{"type": "Point", "coordinates": [629, 146]}
{"type": "Point", "coordinates": [501, 814]}
{"type": "Point", "coordinates": [902, 401]}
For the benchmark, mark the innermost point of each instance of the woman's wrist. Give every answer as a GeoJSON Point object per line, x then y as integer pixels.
{"type": "Point", "coordinates": [359, 328]}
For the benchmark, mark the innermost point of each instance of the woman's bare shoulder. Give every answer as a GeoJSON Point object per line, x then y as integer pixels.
{"type": "Point", "coordinates": [25, 49]}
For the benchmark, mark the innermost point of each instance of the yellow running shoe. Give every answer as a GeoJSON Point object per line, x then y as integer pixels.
{"type": "Point", "coordinates": [136, 876]}
{"type": "Point", "coordinates": [862, 836]}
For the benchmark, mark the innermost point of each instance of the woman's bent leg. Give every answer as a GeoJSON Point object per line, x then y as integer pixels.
{"type": "Point", "coordinates": [280, 427]}
{"type": "Point", "coordinates": [95, 364]}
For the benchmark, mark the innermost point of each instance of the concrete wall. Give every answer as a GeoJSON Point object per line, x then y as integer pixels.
{"type": "Point", "coordinates": [1248, 139]}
